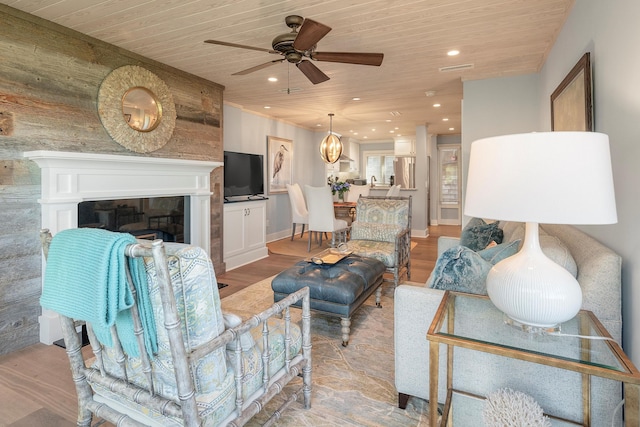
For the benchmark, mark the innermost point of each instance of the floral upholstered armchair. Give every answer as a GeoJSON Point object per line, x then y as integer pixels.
{"type": "Point", "coordinates": [382, 230]}
{"type": "Point", "coordinates": [172, 358]}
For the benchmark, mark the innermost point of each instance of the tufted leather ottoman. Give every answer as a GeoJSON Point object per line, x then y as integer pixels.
{"type": "Point", "coordinates": [337, 289]}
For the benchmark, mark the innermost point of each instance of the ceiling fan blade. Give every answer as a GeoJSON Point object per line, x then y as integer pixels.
{"type": "Point", "coordinates": [349, 57]}
{"type": "Point", "coordinates": [312, 72]}
{"type": "Point", "coordinates": [257, 67]}
{"type": "Point", "coordinates": [241, 46]}
{"type": "Point", "coordinates": [310, 33]}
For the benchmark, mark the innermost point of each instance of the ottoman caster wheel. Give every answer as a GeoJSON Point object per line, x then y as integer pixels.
{"type": "Point", "coordinates": [378, 305]}
{"type": "Point", "coordinates": [345, 343]}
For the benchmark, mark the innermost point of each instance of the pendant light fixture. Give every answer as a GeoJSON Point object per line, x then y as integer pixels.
{"type": "Point", "coordinates": [330, 146]}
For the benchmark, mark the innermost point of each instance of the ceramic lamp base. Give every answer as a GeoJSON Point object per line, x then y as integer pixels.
{"type": "Point", "coordinates": [531, 289]}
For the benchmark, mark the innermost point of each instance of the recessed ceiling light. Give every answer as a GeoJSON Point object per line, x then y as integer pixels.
{"type": "Point", "coordinates": [266, 107]}
{"type": "Point", "coordinates": [318, 125]}
{"type": "Point", "coordinates": [365, 137]}
{"type": "Point", "coordinates": [273, 79]}
{"type": "Point", "coordinates": [355, 98]}
{"type": "Point", "coordinates": [445, 120]}
{"type": "Point", "coordinates": [392, 131]}
{"type": "Point", "coordinates": [436, 105]}
{"type": "Point", "coordinates": [373, 130]}
{"type": "Point", "coordinates": [451, 128]}
{"type": "Point", "coordinates": [396, 128]}
{"type": "Point", "coordinates": [388, 120]}
{"type": "Point", "coordinates": [355, 133]}
{"type": "Point", "coordinates": [453, 52]}
{"type": "Point", "coordinates": [430, 93]}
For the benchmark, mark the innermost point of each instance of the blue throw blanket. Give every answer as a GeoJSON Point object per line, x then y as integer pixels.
{"type": "Point", "coordinates": [86, 279]}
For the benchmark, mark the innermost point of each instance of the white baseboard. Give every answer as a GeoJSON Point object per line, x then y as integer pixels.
{"type": "Point", "coordinates": [420, 233]}
{"type": "Point", "coordinates": [246, 258]}
{"type": "Point", "coordinates": [281, 235]}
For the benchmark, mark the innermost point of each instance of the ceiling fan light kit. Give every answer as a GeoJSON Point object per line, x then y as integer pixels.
{"type": "Point", "coordinates": [331, 146]}
{"type": "Point", "coordinates": [299, 44]}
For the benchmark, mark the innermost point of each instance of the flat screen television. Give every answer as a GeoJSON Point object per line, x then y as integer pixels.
{"type": "Point", "coordinates": [243, 174]}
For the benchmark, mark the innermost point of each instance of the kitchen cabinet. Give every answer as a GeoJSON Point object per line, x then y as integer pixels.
{"type": "Point", "coordinates": [404, 147]}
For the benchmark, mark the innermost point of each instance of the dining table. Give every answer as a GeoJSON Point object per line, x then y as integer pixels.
{"type": "Point", "coordinates": [345, 211]}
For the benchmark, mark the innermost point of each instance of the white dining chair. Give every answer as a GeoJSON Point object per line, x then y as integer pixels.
{"type": "Point", "coordinates": [394, 191]}
{"type": "Point", "coordinates": [322, 217]}
{"type": "Point", "coordinates": [299, 213]}
{"type": "Point", "coordinates": [355, 191]}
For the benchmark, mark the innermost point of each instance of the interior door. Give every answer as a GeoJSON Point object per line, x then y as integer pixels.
{"type": "Point", "coordinates": [449, 191]}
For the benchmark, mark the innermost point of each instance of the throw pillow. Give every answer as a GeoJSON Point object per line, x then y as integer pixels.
{"type": "Point", "coordinates": [477, 234]}
{"type": "Point", "coordinates": [375, 231]}
{"type": "Point", "coordinates": [551, 246]}
{"type": "Point", "coordinates": [464, 270]}
{"type": "Point", "coordinates": [460, 269]}
{"type": "Point", "coordinates": [557, 252]}
{"type": "Point", "coordinates": [509, 229]}
{"type": "Point", "coordinates": [232, 320]}
{"type": "Point", "coordinates": [495, 254]}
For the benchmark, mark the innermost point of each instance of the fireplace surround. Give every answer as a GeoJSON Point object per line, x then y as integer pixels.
{"type": "Point", "coordinates": [68, 179]}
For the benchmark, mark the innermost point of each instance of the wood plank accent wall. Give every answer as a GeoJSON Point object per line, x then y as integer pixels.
{"type": "Point", "coordinates": [49, 81]}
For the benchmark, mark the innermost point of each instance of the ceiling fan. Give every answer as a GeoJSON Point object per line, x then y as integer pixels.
{"type": "Point", "coordinates": [299, 44]}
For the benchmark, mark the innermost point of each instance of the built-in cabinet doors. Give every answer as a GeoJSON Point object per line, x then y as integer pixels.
{"type": "Point", "coordinates": [449, 185]}
{"type": "Point", "coordinates": [244, 232]}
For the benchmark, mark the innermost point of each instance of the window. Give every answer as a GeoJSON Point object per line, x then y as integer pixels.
{"type": "Point", "coordinates": [380, 165]}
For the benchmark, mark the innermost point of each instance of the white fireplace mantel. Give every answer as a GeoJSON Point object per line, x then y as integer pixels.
{"type": "Point", "coordinates": [70, 178]}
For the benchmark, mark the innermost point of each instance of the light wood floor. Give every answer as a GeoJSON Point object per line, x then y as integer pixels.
{"type": "Point", "coordinates": [39, 377]}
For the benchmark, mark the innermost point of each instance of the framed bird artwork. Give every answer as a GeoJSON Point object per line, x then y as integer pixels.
{"type": "Point", "coordinates": [279, 164]}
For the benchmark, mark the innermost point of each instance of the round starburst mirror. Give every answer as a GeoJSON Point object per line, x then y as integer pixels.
{"type": "Point", "coordinates": [136, 109]}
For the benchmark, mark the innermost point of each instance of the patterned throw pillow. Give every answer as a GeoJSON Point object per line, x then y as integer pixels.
{"type": "Point", "coordinates": [477, 234]}
{"type": "Point", "coordinates": [464, 270]}
{"type": "Point", "coordinates": [460, 269]}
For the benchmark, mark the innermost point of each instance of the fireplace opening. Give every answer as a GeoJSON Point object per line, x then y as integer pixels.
{"type": "Point", "coordinates": [146, 218]}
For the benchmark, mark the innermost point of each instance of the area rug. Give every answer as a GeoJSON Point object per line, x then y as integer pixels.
{"type": "Point", "coordinates": [298, 246]}
{"type": "Point", "coordinates": [351, 386]}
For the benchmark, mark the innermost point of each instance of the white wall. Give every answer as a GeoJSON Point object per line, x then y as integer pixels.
{"type": "Point", "coordinates": [497, 107]}
{"type": "Point", "coordinates": [610, 32]}
{"type": "Point", "coordinates": [247, 132]}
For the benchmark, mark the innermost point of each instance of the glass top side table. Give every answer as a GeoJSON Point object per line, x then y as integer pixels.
{"type": "Point", "coordinates": [473, 322]}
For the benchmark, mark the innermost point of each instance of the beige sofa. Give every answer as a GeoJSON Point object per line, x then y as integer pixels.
{"type": "Point", "coordinates": [557, 391]}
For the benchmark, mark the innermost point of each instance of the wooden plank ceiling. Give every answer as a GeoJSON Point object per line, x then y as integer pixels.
{"type": "Point", "coordinates": [495, 37]}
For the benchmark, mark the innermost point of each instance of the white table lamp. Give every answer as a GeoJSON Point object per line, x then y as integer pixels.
{"type": "Point", "coordinates": [545, 177]}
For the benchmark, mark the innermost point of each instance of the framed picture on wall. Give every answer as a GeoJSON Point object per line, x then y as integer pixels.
{"type": "Point", "coordinates": [571, 102]}
{"type": "Point", "coordinates": [279, 164]}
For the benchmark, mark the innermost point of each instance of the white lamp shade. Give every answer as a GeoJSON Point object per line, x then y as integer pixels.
{"type": "Point", "coordinates": [543, 177]}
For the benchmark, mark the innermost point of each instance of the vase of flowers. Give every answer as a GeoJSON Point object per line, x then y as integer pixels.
{"type": "Point", "coordinates": [339, 187]}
